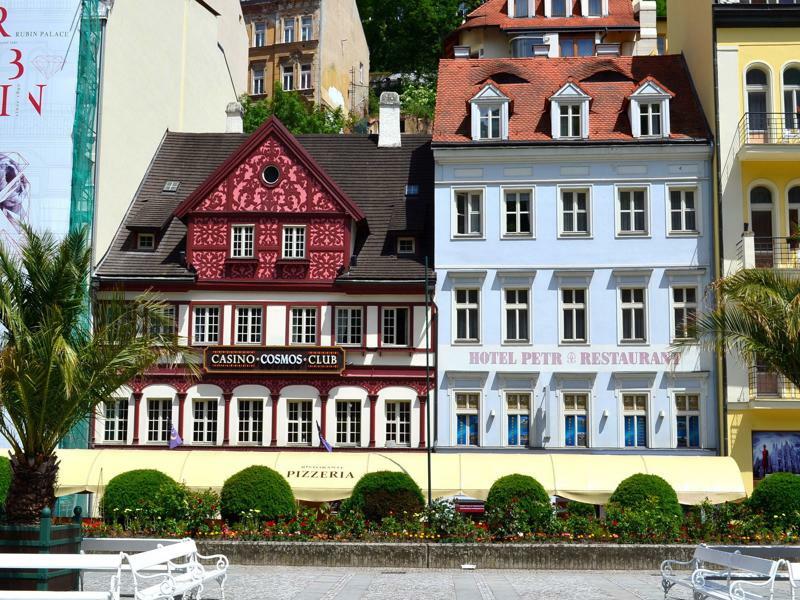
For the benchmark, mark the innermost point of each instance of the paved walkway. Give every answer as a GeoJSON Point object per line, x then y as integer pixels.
{"type": "Point", "coordinates": [320, 583]}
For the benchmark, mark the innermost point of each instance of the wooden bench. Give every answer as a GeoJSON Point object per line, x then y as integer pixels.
{"type": "Point", "coordinates": [186, 575]}
{"type": "Point", "coordinates": [737, 576]}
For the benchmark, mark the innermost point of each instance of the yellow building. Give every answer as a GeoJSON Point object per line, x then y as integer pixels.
{"type": "Point", "coordinates": [745, 61]}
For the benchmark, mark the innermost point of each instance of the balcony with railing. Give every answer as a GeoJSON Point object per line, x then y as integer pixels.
{"type": "Point", "coordinates": [767, 385]}
{"type": "Point", "coordinates": [768, 136]}
{"type": "Point", "coordinates": [769, 252]}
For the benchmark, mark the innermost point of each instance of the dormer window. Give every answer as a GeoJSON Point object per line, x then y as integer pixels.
{"type": "Point", "coordinates": [146, 242]}
{"type": "Point", "coordinates": [405, 245]}
{"type": "Point", "coordinates": [519, 9]}
{"type": "Point", "coordinates": [558, 8]}
{"type": "Point", "coordinates": [649, 110]}
{"type": "Point", "coordinates": [594, 8]}
{"type": "Point", "coordinates": [489, 114]}
{"type": "Point", "coordinates": [569, 112]}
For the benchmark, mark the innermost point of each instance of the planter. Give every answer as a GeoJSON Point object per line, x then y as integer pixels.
{"type": "Point", "coordinates": [44, 538]}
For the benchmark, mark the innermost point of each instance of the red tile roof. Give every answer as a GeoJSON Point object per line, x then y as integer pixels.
{"type": "Point", "coordinates": [495, 12]}
{"type": "Point", "coordinates": [530, 82]}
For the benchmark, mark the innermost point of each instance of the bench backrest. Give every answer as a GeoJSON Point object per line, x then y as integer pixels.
{"type": "Point", "coordinates": [129, 545]}
{"type": "Point", "coordinates": [161, 556]}
{"type": "Point", "coordinates": [736, 561]}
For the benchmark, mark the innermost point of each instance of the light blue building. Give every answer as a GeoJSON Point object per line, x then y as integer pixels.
{"type": "Point", "coordinates": [574, 246]}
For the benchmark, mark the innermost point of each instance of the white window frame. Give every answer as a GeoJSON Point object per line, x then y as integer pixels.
{"type": "Point", "coordinates": [159, 436]}
{"type": "Point", "coordinates": [243, 240]}
{"type": "Point", "coordinates": [287, 77]}
{"type": "Point", "coordinates": [306, 28]}
{"type": "Point", "coordinates": [206, 339]}
{"type": "Point", "coordinates": [140, 237]}
{"type": "Point", "coordinates": [469, 235]}
{"type": "Point", "coordinates": [251, 324]}
{"type": "Point", "coordinates": [648, 414]}
{"type": "Point", "coordinates": [205, 421]}
{"type": "Point", "coordinates": [113, 406]}
{"type": "Point", "coordinates": [549, 9]}
{"type": "Point", "coordinates": [410, 252]}
{"type": "Point", "coordinates": [631, 189]}
{"type": "Point", "coordinates": [652, 112]}
{"type": "Point", "coordinates": [489, 99]}
{"type": "Point", "coordinates": [385, 310]}
{"type": "Point", "coordinates": [258, 81]}
{"type": "Point", "coordinates": [574, 306]}
{"type": "Point", "coordinates": [698, 218]}
{"type": "Point", "coordinates": [259, 37]}
{"type": "Point", "coordinates": [457, 411]}
{"type": "Point", "coordinates": [571, 113]}
{"type": "Point", "coordinates": [562, 189]}
{"type": "Point", "coordinates": [305, 313]}
{"type": "Point", "coordinates": [633, 305]}
{"type": "Point", "coordinates": [250, 421]}
{"type": "Point", "coordinates": [350, 310]}
{"type": "Point", "coordinates": [468, 306]}
{"type": "Point", "coordinates": [687, 413]}
{"type": "Point", "coordinates": [683, 305]}
{"type": "Point", "coordinates": [351, 427]}
{"type": "Point", "coordinates": [585, 5]}
{"type": "Point", "coordinates": [305, 77]}
{"type": "Point", "coordinates": [397, 422]}
{"type": "Point", "coordinates": [286, 28]}
{"type": "Point", "coordinates": [302, 424]}
{"type": "Point", "coordinates": [504, 212]}
{"type": "Point", "coordinates": [647, 94]}
{"type": "Point", "coordinates": [569, 94]}
{"type": "Point", "coordinates": [296, 248]}
{"type": "Point", "coordinates": [517, 306]}
{"type": "Point", "coordinates": [518, 412]}
{"type": "Point", "coordinates": [564, 412]}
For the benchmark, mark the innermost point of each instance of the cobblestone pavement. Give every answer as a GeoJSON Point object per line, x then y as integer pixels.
{"type": "Point", "coordinates": [320, 583]}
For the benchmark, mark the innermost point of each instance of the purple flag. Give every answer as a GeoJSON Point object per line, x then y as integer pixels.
{"type": "Point", "coordinates": [174, 439]}
{"type": "Point", "coordinates": [322, 440]}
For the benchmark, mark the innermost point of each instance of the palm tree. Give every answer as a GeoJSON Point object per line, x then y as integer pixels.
{"type": "Point", "coordinates": [757, 318]}
{"type": "Point", "coordinates": [56, 369]}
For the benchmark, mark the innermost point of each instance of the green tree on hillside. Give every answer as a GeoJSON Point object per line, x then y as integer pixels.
{"type": "Point", "coordinates": [298, 115]}
{"type": "Point", "coordinates": [406, 36]}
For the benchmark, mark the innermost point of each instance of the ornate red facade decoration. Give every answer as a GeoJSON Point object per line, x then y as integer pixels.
{"type": "Point", "coordinates": [294, 199]}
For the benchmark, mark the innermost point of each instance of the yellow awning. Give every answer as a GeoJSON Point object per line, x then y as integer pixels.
{"type": "Point", "coordinates": [322, 476]}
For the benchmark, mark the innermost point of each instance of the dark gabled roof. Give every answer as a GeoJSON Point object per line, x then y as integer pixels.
{"type": "Point", "coordinates": [375, 179]}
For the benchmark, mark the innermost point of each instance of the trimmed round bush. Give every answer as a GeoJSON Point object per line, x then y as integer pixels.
{"type": "Point", "coordinates": [778, 497]}
{"type": "Point", "coordinates": [143, 490]}
{"type": "Point", "coordinates": [5, 480]}
{"type": "Point", "coordinates": [382, 493]}
{"type": "Point", "coordinates": [518, 496]}
{"type": "Point", "coordinates": [256, 492]}
{"type": "Point", "coordinates": [640, 491]}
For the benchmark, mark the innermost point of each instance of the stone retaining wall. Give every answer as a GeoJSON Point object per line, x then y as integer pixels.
{"type": "Point", "coordinates": [449, 556]}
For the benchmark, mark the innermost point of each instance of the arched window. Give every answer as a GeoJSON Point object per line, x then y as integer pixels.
{"type": "Point", "coordinates": [794, 210]}
{"type": "Point", "coordinates": [757, 95]}
{"type": "Point", "coordinates": [791, 97]}
{"type": "Point", "coordinates": [761, 221]}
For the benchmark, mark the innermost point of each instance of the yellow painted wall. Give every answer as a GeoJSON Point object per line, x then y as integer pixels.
{"type": "Point", "coordinates": [741, 425]}
{"type": "Point", "coordinates": [343, 48]}
{"type": "Point", "coordinates": [778, 176]}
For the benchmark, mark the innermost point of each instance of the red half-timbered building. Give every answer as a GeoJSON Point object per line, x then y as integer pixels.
{"type": "Point", "coordinates": [294, 266]}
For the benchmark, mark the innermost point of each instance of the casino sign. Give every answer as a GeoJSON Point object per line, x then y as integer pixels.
{"type": "Point", "coordinates": [274, 359]}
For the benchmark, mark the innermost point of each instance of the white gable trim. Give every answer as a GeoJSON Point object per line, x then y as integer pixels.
{"type": "Point", "coordinates": [570, 91]}
{"type": "Point", "coordinates": [649, 93]}
{"type": "Point", "coordinates": [651, 89]}
{"type": "Point", "coordinates": [489, 93]}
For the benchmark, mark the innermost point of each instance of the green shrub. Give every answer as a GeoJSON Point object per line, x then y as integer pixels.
{"type": "Point", "coordinates": [382, 493]}
{"type": "Point", "coordinates": [581, 509]}
{"type": "Point", "coordinates": [518, 504]}
{"type": "Point", "coordinates": [636, 491]}
{"type": "Point", "coordinates": [258, 492]}
{"type": "Point", "coordinates": [646, 522]}
{"type": "Point", "coordinates": [202, 507]}
{"type": "Point", "coordinates": [778, 498]}
{"type": "Point", "coordinates": [5, 480]}
{"type": "Point", "coordinates": [143, 494]}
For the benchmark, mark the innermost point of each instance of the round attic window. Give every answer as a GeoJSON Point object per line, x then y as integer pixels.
{"type": "Point", "coordinates": [270, 175]}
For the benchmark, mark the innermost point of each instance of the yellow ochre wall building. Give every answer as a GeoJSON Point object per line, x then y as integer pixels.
{"type": "Point", "coordinates": [745, 61]}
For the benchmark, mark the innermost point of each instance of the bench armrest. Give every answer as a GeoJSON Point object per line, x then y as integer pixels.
{"type": "Point", "coordinates": [743, 589]}
{"type": "Point", "coordinates": [220, 560]}
{"type": "Point", "coordinates": [668, 566]}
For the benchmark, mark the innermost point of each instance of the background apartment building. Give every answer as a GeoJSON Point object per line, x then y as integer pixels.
{"type": "Point", "coordinates": [314, 47]}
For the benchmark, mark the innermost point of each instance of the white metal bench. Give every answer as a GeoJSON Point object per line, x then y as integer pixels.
{"type": "Point", "coordinates": [186, 574]}
{"type": "Point", "coordinates": [737, 576]}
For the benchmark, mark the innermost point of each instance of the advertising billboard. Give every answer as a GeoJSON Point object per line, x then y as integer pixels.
{"type": "Point", "coordinates": [39, 41]}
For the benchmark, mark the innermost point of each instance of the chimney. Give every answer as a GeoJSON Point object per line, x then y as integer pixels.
{"type": "Point", "coordinates": [645, 11]}
{"type": "Point", "coordinates": [389, 121]}
{"type": "Point", "coordinates": [235, 122]}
